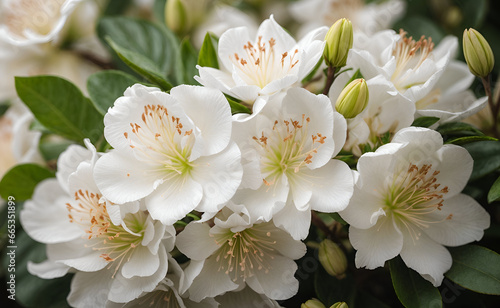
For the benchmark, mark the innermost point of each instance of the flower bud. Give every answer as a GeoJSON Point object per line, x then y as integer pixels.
{"type": "Point", "coordinates": [332, 258]}
{"type": "Point", "coordinates": [176, 17]}
{"type": "Point", "coordinates": [477, 53]}
{"type": "Point", "coordinates": [338, 42]}
{"type": "Point", "coordinates": [312, 303]}
{"type": "Point", "coordinates": [353, 99]}
{"type": "Point", "coordinates": [339, 305]}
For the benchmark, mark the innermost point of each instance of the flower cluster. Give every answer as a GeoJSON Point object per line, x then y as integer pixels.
{"type": "Point", "coordinates": [206, 195]}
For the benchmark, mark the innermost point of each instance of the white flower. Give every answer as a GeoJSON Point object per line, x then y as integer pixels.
{"type": "Point", "coordinates": [174, 149]}
{"type": "Point", "coordinates": [238, 251]}
{"type": "Point", "coordinates": [387, 112]}
{"type": "Point", "coordinates": [246, 298]}
{"type": "Point", "coordinates": [28, 22]}
{"type": "Point", "coordinates": [287, 152]}
{"type": "Point", "coordinates": [117, 251]}
{"type": "Point", "coordinates": [413, 67]}
{"type": "Point", "coordinates": [407, 202]}
{"type": "Point", "coordinates": [262, 66]}
{"type": "Point", "coordinates": [368, 18]}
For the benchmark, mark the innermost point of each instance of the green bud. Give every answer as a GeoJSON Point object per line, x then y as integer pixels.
{"type": "Point", "coordinates": [339, 305]}
{"type": "Point", "coordinates": [338, 42]}
{"type": "Point", "coordinates": [477, 53]}
{"type": "Point", "coordinates": [332, 258]}
{"type": "Point", "coordinates": [353, 99]}
{"type": "Point", "coordinates": [312, 303]}
{"type": "Point", "coordinates": [176, 17]}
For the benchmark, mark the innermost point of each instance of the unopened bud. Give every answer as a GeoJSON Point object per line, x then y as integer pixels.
{"type": "Point", "coordinates": [312, 303]}
{"type": "Point", "coordinates": [176, 16]}
{"type": "Point", "coordinates": [339, 305]}
{"type": "Point", "coordinates": [353, 99]}
{"type": "Point", "coordinates": [332, 258]}
{"type": "Point", "coordinates": [338, 42]}
{"type": "Point", "coordinates": [477, 53]}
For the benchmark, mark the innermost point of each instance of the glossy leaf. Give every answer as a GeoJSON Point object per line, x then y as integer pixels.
{"type": "Point", "coordinates": [486, 155]}
{"type": "Point", "coordinates": [424, 121]}
{"type": "Point", "coordinates": [208, 52]}
{"type": "Point", "coordinates": [21, 180]}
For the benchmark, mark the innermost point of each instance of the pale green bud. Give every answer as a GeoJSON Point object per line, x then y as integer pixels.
{"type": "Point", "coordinates": [312, 303]}
{"type": "Point", "coordinates": [332, 258]}
{"type": "Point", "coordinates": [353, 99]}
{"type": "Point", "coordinates": [176, 16]}
{"type": "Point", "coordinates": [338, 42]}
{"type": "Point", "coordinates": [477, 53]}
{"type": "Point", "coordinates": [339, 305]}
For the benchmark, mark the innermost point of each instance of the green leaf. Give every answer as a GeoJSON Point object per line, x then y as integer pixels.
{"type": "Point", "coordinates": [61, 107]}
{"type": "Point", "coordinates": [424, 121]}
{"type": "Point", "coordinates": [486, 155]}
{"type": "Point", "coordinates": [469, 139]}
{"type": "Point", "coordinates": [105, 87]}
{"type": "Point", "coordinates": [21, 180]}
{"type": "Point", "coordinates": [412, 290]}
{"type": "Point", "coordinates": [141, 65]}
{"type": "Point", "coordinates": [494, 193]}
{"type": "Point", "coordinates": [187, 63]}
{"type": "Point", "coordinates": [237, 107]}
{"type": "Point", "coordinates": [117, 7]}
{"type": "Point", "coordinates": [356, 75]}
{"type": "Point", "coordinates": [458, 128]}
{"type": "Point", "coordinates": [149, 49]}
{"type": "Point", "coordinates": [310, 76]}
{"type": "Point", "coordinates": [208, 52]}
{"type": "Point", "coordinates": [159, 10]}
{"type": "Point", "coordinates": [51, 148]}
{"type": "Point", "coordinates": [475, 268]}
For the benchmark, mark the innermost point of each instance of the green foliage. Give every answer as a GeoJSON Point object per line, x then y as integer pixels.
{"type": "Point", "coordinates": [494, 193]}
{"type": "Point", "coordinates": [208, 52]}
{"type": "Point", "coordinates": [61, 107]}
{"type": "Point", "coordinates": [425, 121]}
{"type": "Point", "coordinates": [106, 86]}
{"type": "Point", "coordinates": [187, 63]}
{"type": "Point", "coordinates": [469, 139]}
{"type": "Point", "coordinates": [357, 75]}
{"type": "Point", "coordinates": [475, 268]}
{"type": "Point", "coordinates": [412, 290]}
{"type": "Point", "coordinates": [159, 10]}
{"type": "Point", "coordinates": [486, 155]}
{"type": "Point", "coordinates": [148, 49]}
{"type": "Point", "coordinates": [237, 107]}
{"type": "Point", "coordinates": [21, 180]}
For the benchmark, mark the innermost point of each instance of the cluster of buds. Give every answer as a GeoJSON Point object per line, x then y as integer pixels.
{"type": "Point", "coordinates": [314, 303]}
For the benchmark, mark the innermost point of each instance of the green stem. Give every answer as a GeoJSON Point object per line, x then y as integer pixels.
{"type": "Point", "coordinates": [493, 107]}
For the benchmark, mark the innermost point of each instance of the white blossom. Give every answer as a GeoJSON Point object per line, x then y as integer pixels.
{"type": "Point", "coordinates": [408, 201]}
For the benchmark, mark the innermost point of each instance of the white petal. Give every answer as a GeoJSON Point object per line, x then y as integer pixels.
{"type": "Point", "coordinates": [293, 221]}
{"type": "Point", "coordinates": [231, 42]}
{"type": "Point", "coordinates": [451, 156]}
{"type": "Point", "coordinates": [271, 29]}
{"type": "Point", "coordinates": [221, 175]}
{"type": "Point", "coordinates": [467, 223]}
{"type": "Point", "coordinates": [279, 283]}
{"type": "Point", "coordinates": [210, 112]}
{"type": "Point", "coordinates": [69, 160]}
{"type": "Point", "coordinates": [47, 269]}
{"type": "Point", "coordinates": [285, 244]}
{"type": "Point", "coordinates": [195, 241]}
{"type": "Point", "coordinates": [83, 284]}
{"type": "Point", "coordinates": [45, 217]}
{"type": "Point", "coordinates": [172, 201]}
{"type": "Point", "coordinates": [142, 263]}
{"type": "Point", "coordinates": [210, 282]}
{"type": "Point", "coordinates": [428, 258]}
{"type": "Point", "coordinates": [364, 209]}
{"type": "Point", "coordinates": [376, 245]}
{"type": "Point", "coordinates": [121, 179]}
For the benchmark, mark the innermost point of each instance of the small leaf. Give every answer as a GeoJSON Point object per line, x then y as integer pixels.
{"type": "Point", "coordinates": [187, 63]}
{"type": "Point", "coordinates": [356, 75]}
{"type": "Point", "coordinates": [475, 268]}
{"type": "Point", "coordinates": [469, 139]}
{"type": "Point", "coordinates": [412, 290]}
{"type": "Point", "coordinates": [237, 107]}
{"type": "Point", "coordinates": [424, 121]}
{"type": "Point", "coordinates": [208, 52]}
{"type": "Point", "coordinates": [458, 128]}
{"type": "Point", "coordinates": [494, 193]}
{"type": "Point", "coordinates": [486, 155]}
{"type": "Point", "coordinates": [105, 87]}
{"type": "Point", "coordinates": [61, 107]}
{"type": "Point", "coordinates": [141, 65]}
{"type": "Point", "coordinates": [21, 180]}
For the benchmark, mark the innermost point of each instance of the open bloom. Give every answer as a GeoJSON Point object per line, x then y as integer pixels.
{"type": "Point", "coordinates": [262, 66]}
{"type": "Point", "coordinates": [27, 22]}
{"type": "Point", "coordinates": [174, 149]}
{"type": "Point", "coordinates": [287, 152]}
{"type": "Point", "coordinates": [117, 251]}
{"type": "Point", "coordinates": [407, 202]}
{"type": "Point", "coordinates": [239, 251]}
{"type": "Point", "coordinates": [387, 112]}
